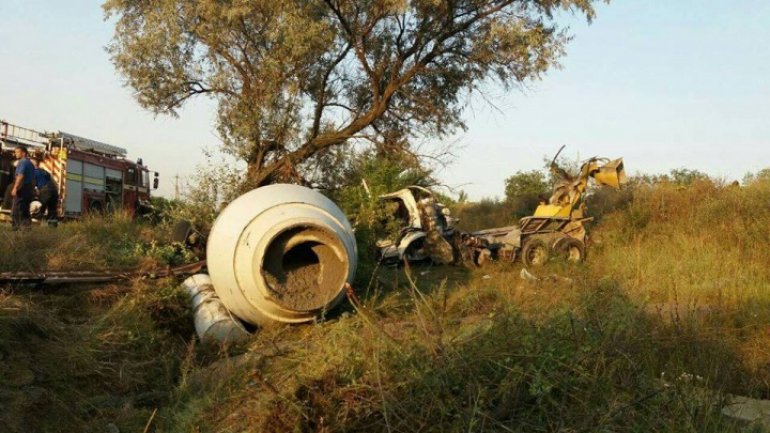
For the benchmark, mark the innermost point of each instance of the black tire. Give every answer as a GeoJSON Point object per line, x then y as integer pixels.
{"type": "Point", "coordinates": [535, 252]}
{"type": "Point", "coordinates": [95, 208]}
{"type": "Point", "coordinates": [415, 251]}
{"type": "Point", "coordinates": [181, 232]}
{"type": "Point", "coordinates": [570, 249]}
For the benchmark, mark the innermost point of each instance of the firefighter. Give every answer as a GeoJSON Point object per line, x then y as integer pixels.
{"type": "Point", "coordinates": [47, 192]}
{"type": "Point", "coordinates": [23, 188]}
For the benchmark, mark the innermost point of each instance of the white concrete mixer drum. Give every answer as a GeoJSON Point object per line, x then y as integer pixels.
{"type": "Point", "coordinates": [281, 253]}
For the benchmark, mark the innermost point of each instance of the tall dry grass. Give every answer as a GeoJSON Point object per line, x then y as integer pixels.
{"type": "Point", "coordinates": [668, 316]}
{"type": "Point", "coordinates": [79, 358]}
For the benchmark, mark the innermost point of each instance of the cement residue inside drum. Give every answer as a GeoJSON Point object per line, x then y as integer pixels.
{"type": "Point", "coordinates": [305, 268]}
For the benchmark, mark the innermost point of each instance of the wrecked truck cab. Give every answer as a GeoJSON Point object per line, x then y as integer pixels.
{"type": "Point", "coordinates": [405, 207]}
{"type": "Point", "coordinates": [425, 227]}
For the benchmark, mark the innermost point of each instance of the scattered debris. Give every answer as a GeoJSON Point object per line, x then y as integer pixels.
{"type": "Point", "coordinates": [748, 409]}
{"type": "Point", "coordinates": [526, 275]}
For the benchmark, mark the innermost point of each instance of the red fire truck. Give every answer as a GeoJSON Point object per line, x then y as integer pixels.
{"type": "Point", "coordinates": [92, 177]}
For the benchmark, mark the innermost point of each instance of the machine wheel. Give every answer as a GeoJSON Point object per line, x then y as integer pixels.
{"type": "Point", "coordinates": [535, 252]}
{"type": "Point", "coordinates": [184, 233]}
{"type": "Point", "coordinates": [181, 231]}
{"type": "Point", "coordinates": [415, 252]}
{"type": "Point", "coordinates": [571, 249]}
{"type": "Point", "coordinates": [484, 256]}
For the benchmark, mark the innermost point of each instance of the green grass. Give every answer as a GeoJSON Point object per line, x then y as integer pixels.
{"type": "Point", "coordinates": [93, 243]}
{"type": "Point", "coordinates": [669, 315]}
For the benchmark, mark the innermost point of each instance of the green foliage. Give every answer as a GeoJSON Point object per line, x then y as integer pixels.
{"type": "Point", "coordinates": [685, 176]}
{"type": "Point", "coordinates": [170, 254]}
{"type": "Point", "coordinates": [526, 184]}
{"type": "Point", "coordinates": [293, 79]}
{"type": "Point", "coordinates": [213, 185]}
{"type": "Point", "coordinates": [525, 190]}
{"type": "Point", "coordinates": [484, 214]}
{"type": "Point", "coordinates": [677, 176]}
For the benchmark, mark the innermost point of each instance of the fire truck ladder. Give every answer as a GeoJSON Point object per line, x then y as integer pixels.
{"type": "Point", "coordinates": [13, 135]}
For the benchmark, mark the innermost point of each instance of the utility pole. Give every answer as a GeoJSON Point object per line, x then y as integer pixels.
{"type": "Point", "coordinates": [176, 187]}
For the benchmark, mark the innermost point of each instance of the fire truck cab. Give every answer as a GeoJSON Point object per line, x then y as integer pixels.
{"type": "Point", "coordinates": [91, 176]}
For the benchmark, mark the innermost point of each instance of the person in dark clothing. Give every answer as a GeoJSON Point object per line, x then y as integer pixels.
{"type": "Point", "coordinates": [48, 192]}
{"type": "Point", "coordinates": [23, 189]}
{"type": "Point", "coordinates": [7, 169]}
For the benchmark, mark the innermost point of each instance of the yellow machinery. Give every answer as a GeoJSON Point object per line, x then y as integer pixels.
{"type": "Point", "coordinates": [558, 226]}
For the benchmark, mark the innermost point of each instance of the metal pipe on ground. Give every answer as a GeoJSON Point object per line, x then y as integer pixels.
{"type": "Point", "coordinates": [78, 277]}
{"type": "Point", "coordinates": [213, 322]}
{"type": "Point", "coordinates": [281, 253]}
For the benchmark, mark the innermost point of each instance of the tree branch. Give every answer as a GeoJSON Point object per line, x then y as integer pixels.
{"type": "Point", "coordinates": [321, 102]}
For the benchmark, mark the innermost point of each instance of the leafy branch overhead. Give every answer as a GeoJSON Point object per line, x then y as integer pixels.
{"type": "Point", "coordinates": [294, 78]}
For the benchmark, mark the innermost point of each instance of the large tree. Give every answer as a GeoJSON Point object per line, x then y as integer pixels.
{"type": "Point", "coordinates": [295, 78]}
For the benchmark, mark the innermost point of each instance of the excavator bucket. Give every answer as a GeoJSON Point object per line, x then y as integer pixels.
{"type": "Point", "coordinates": [611, 174]}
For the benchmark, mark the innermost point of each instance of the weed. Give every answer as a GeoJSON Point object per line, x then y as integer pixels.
{"type": "Point", "coordinates": [669, 315]}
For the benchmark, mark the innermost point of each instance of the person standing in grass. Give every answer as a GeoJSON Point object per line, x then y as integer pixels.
{"type": "Point", "coordinates": [47, 192]}
{"type": "Point", "coordinates": [23, 189]}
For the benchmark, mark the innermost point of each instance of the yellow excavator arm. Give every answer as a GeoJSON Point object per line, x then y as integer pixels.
{"type": "Point", "coordinates": [569, 190]}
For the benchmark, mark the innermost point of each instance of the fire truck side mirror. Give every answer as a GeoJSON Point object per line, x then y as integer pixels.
{"type": "Point", "coordinates": [155, 181]}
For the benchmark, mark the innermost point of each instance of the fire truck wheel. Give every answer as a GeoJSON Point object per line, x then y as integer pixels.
{"type": "Point", "coordinates": [95, 208]}
{"type": "Point", "coordinates": [535, 252]}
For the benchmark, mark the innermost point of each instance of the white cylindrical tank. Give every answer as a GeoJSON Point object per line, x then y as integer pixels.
{"type": "Point", "coordinates": [281, 253]}
{"type": "Point", "coordinates": [212, 320]}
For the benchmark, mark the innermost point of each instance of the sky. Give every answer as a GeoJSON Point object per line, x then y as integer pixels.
{"type": "Point", "coordinates": [664, 84]}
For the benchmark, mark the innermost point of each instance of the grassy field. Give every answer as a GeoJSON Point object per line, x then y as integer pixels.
{"type": "Point", "coordinates": [669, 315]}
